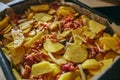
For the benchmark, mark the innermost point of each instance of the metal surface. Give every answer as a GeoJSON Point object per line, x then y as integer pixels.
{"type": "Point", "coordinates": [6, 67]}
{"type": "Point", "coordinates": [2, 76]}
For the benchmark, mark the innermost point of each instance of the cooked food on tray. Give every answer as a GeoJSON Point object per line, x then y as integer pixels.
{"type": "Point", "coordinates": [55, 42]}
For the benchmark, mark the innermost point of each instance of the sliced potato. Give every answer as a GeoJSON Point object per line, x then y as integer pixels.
{"type": "Point", "coordinates": [5, 42]}
{"type": "Point", "coordinates": [27, 30]}
{"type": "Point", "coordinates": [52, 47]}
{"type": "Point", "coordinates": [36, 37]}
{"type": "Point", "coordinates": [95, 26]}
{"type": "Point", "coordinates": [99, 57]}
{"type": "Point", "coordinates": [65, 11]}
{"type": "Point", "coordinates": [89, 34]}
{"type": "Point", "coordinates": [42, 17]}
{"type": "Point", "coordinates": [111, 54]}
{"type": "Point", "coordinates": [18, 38]}
{"type": "Point", "coordinates": [8, 36]}
{"type": "Point", "coordinates": [66, 76]}
{"type": "Point", "coordinates": [38, 8]}
{"type": "Point", "coordinates": [110, 42]}
{"type": "Point", "coordinates": [115, 36]}
{"type": "Point", "coordinates": [105, 47]}
{"type": "Point", "coordinates": [51, 11]}
{"type": "Point", "coordinates": [90, 64]}
{"type": "Point", "coordinates": [32, 33]}
{"type": "Point", "coordinates": [30, 16]}
{"type": "Point", "coordinates": [7, 29]}
{"type": "Point", "coordinates": [70, 75]}
{"type": "Point", "coordinates": [85, 28]}
{"type": "Point", "coordinates": [54, 26]}
{"type": "Point", "coordinates": [61, 60]}
{"type": "Point", "coordinates": [27, 24]}
{"type": "Point", "coordinates": [4, 21]}
{"type": "Point", "coordinates": [27, 39]}
{"type": "Point", "coordinates": [56, 69]}
{"type": "Point", "coordinates": [77, 35]}
{"type": "Point", "coordinates": [104, 65]}
{"type": "Point", "coordinates": [63, 34]}
{"type": "Point", "coordinates": [78, 78]}
{"type": "Point", "coordinates": [76, 53]}
{"type": "Point", "coordinates": [41, 68]}
{"type": "Point", "coordinates": [85, 19]}
{"type": "Point", "coordinates": [106, 35]}
{"type": "Point", "coordinates": [10, 45]}
{"type": "Point", "coordinates": [5, 51]}
{"type": "Point", "coordinates": [16, 54]}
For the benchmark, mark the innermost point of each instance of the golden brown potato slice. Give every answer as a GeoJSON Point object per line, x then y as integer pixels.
{"type": "Point", "coordinates": [27, 24]}
{"type": "Point", "coordinates": [65, 11]}
{"type": "Point", "coordinates": [76, 53]}
{"type": "Point", "coordinates": [54, 25]}
{"type": "Point", "coordinates": [78, 36]}
{"type": "Point", "coordinates": [104, 65]}
{"type": "Point", "coordinates": [63, 34]}
{"type": "Point", "coordinates": [78, 78]}
{"type": "Point", "coordinates": [36, 37]}
{"type": "Point", "coordinates": [110, 42]}
{"type": "Point", "coordinates": [5, 51]}
{"type": "Point", "coordinates": [89, 34]}
{"type": "Point", "coordinates": [99, 57]}
{"type": "Point", "coordinates": [7, 29]}
{"type": "Point", "coordinates": [52, 47]}
{"type": "Point", "coordinates": [56, 69]}
{"type": "Point", "coordinates": [90, 64]}
{"type": "Point", "coordinates": [8, 36]}
{"type": "Point", "coordinates": [16, 54]}
{"type": "Point", "coordinates": [42, 17]}
{"type": "Point", "coordinates": [115, 36]}
{"type": "Point", "coordinates": [18, 38]}
{"type": "Point", "coordinates": [5, 42]}
{"type": "Point", "coordinates": [95, 26]}
{"type": "Point", "coordinates": [26, 31]}
{"type": "Point", "coordinates": [85, 19]}
{"type": "Point", "coordinates": [38, 8]}
{"type": "Point", "coordinates": [30, 16]}
{"type": "Point", "coordinates": [32, 33]}
{"type": "Point", "coordinates": [111, 54]}
{"type": "Point", "coordinates": [41, 68]}
{"type": "Point", "coordinates": [4, 21]}
{"type": "Point", "coordinates": [66, 76]}
{"type": "Point", "coordinates": [106, 35]}
{"type": "Point", "coordinates": [70, 76]}
{"type": "Point", "coordinates": [51, 11]}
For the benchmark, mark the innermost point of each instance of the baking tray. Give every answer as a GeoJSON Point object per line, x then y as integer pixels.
{"type": "Point", "coordinates": [112, 73]}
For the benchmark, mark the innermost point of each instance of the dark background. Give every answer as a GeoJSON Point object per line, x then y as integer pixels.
{"type": "Point", "coordinates": [112, 12]}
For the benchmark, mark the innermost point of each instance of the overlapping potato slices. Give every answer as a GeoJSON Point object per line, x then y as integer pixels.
{"type": "Point", "coordinates": [53, 42]}
{"type": "Point", "coordinates": [4, 22]}
{"type": "Point", "coordinates": [18, 37]}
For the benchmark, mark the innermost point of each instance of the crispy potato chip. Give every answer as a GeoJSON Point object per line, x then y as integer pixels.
{"type": "Point", "coordinates": [30, 42]}
{"type": "Point", "coordinates": [37, 8]}
{"type": "Point", "coordinates": [4, 21]}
